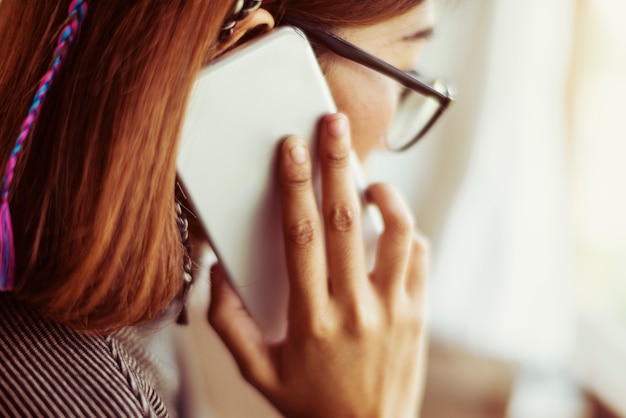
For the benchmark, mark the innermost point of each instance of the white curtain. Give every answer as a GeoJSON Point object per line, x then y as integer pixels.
{"type": "Point", "coordinates": [489, 185]}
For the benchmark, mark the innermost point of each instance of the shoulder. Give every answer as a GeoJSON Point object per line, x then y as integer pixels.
{"type": "Point", "coordinates": [49, 369]}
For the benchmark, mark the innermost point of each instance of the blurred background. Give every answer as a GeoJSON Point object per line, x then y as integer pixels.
{"type": "Point", "coordinates": [520, 189]}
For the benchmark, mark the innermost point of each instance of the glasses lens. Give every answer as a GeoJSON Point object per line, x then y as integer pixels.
{"type": "Point", "coordinates": [414, 115]}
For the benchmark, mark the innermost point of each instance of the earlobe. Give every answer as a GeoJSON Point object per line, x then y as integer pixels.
{"type": "Point", "coordinates": [256, 23]}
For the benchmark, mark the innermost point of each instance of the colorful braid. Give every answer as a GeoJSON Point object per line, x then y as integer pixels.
{"type": "Point", "coordinates": [77, 12]}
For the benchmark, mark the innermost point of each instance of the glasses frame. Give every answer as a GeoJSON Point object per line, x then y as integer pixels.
{"type": "Point", "coordinates": [408, 79]}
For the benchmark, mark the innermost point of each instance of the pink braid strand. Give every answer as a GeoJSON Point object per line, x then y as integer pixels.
{"type": "Point", "coordinates": [76, 15]}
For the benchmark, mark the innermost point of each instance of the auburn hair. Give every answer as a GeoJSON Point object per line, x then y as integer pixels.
{"type": "Point", "coordinates": [92, 202]}
{"type": "Point", "coordinates": [96, 242]}
{"type": "Point", "coordinates": [331, 14]}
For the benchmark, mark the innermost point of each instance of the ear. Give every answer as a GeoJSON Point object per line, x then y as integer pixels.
{"type": "Point", "coordinates": [256, 23]}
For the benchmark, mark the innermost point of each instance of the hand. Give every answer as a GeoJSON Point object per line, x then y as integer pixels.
{"type": "Point", "coordinates": [354, 339]}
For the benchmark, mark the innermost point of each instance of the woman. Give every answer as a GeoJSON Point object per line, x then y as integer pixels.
{"type": "Point", "coordinates": [97, 248]}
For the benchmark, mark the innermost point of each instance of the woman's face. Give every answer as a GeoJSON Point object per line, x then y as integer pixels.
{"type": "Point", "coordinates": [369, 98]}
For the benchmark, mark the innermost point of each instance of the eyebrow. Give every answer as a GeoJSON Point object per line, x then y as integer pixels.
{"type": "Point", "coordinates": [420, 35]}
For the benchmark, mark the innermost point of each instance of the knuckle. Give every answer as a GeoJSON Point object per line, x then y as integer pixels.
{"type": "Point", "coordinates": [416, 322]}
{"type": "Point", "coordinates": [421, 246]}
{"type": "Point", "coordinates": [317, 333]}
{"type": "Point", "coordinates": [401, 225]}
{"type": "Point", "coordinates": [413, 329]}
{"type": "Point", "coordinates": [301, 234]}
{"type": "Point", "coordinates": [319, 329]}
{"type": "Point", "coordinates": [408, 316]}
{"type": "Point", "coordinates": [361, 322]}
{"type": "Point", "coordinates": [342, 217]}
{"type": "Point", "coordinates": [337, 159]}
{"type": "Point", "coordinates": [296, 178]}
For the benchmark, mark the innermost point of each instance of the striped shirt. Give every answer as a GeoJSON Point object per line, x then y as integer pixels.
{"type": "Point", "coordinates": [50, 370]}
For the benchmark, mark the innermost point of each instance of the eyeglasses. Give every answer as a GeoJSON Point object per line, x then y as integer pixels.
{"type": "Point", "coordinates": [420, 103]}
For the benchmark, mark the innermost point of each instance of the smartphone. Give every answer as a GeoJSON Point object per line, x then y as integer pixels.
{"type": "Point", "coordinates": [240, 108]}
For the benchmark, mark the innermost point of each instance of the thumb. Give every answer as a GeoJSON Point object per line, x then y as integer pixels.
{"type": "Point", "coordinates": [239, 332]}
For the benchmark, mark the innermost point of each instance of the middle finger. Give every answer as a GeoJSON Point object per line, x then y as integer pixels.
{"type": "Point", "coordinates": [340, 207]}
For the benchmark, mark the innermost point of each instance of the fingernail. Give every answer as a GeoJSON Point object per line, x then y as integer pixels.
{"type": "Point", "coordinates": [298, 154]}
{"type": "Point", "coordinates": [338, 126]}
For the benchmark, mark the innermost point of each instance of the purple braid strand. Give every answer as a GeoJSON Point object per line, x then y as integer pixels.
{"type": "Point", "coordinates": [76, 15]}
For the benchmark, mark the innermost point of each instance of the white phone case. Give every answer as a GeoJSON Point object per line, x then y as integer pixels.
{"type": "Point", "coordinates": [240, 108]}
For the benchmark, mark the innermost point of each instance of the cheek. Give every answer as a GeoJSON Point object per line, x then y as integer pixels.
{"type": "Point", "coordinates": [368, 99]}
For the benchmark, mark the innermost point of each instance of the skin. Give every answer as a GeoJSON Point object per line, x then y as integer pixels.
{"type": "Point", "coordinates": [354, 337]}
{"type": "Point", "coordinates": [367, 97]}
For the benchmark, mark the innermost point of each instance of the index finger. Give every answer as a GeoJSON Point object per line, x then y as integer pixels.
{"type": "Point", "coordinates": [304, 244]}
